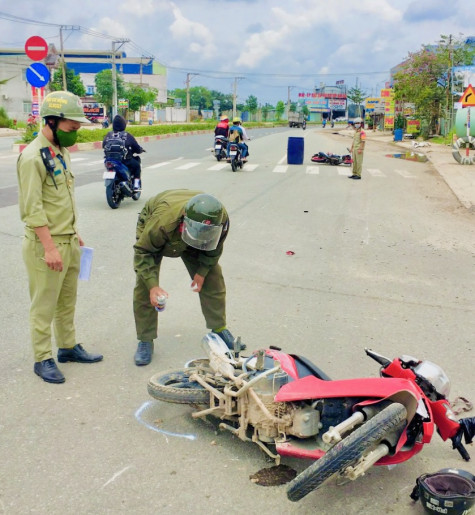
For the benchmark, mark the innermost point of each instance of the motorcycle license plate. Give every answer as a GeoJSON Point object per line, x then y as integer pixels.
{"type": "Point", "coordinates": [108, 175]}
{"type": "Point", "coordinates": [232, 152]}
{"type": "Point", "coordinates": [217, 147]}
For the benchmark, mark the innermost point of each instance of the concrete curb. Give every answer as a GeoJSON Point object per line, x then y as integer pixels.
{"type": "Point", "coordinates": [95, 145]}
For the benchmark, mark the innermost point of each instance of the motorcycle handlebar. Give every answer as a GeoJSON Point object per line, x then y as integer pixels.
{"type": "Point", "coordinates": [378, 357]}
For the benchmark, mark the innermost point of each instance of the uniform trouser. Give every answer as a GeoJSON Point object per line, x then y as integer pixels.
{"type": "Point", "coordinates": [212, 299]}
{"type": "Point", "coordinates": [357, 163]}
{"type": "Point", "coordinates": [52, 294]}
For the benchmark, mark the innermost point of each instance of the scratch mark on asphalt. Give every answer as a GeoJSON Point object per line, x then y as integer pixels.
{"type": "Point", "coordinates": [115, 476]}
{"type": "Point", "coordinates": [138, 416]}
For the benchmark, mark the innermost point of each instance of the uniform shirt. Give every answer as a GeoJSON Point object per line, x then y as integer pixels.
{"type": "Point", "coordinates": [159, 231]}
{"type": "Point", "coordinates": [40, 202]}
{"type": "Point", "coordinates": [358, 138]}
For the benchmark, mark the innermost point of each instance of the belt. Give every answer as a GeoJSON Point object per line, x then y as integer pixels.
{"type": "Point", "coordinates": [57, 238]}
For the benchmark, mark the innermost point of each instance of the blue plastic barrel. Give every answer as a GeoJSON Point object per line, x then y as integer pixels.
{"type": "Point", "coordinates": [295, 151]}
{"type": "Point", "coordinates": [398, 134]}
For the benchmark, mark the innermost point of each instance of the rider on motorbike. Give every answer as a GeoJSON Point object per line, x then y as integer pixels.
{"type": "Point", "coordinates": [238, 134]}
{"type": "Point", "coordinates": [131, 147]}
{"type": "Point", "coordinates": [222, 129]}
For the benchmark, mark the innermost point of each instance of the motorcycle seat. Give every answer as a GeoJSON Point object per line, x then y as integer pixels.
{"type": "Point", "coordinates": [306, 368]}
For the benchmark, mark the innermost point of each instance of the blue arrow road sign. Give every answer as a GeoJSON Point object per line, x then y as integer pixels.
{"type": "Point", "coordinates": [37, 75]}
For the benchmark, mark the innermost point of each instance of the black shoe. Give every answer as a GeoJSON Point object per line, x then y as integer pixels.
{"type": "Point", "coordinates": [48, 371]}
{"type": "Point", "coordinates": [356, 177]}
{"type": "Point", "coordinates": [228, 339]}
{"type": "Point", "coordinates": [351, 176]}
{"type": "Point", "coordinates": [143, 356]}
{"type": "Point", "coordinates": [77, 354]}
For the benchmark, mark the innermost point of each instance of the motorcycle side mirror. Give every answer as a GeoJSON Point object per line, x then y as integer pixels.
{"type": "Point", "coordinates": [409, 361]}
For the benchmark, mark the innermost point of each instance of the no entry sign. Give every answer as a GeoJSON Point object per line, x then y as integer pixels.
{"type": "Point", "coordinates": [36, 48]}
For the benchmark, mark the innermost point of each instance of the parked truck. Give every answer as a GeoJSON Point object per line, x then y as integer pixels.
{"type": "Point", "coordinates": [297, 120]}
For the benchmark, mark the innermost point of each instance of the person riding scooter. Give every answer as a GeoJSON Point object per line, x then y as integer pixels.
{"type": "Point", "coordinates": [130, 145]}
{"type": "Point", "coordinates": [238, 134]}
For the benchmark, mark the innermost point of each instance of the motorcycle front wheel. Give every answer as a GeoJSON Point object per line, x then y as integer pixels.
{"type": "Point", "coordinates": [349, 450]}
{"type": "Point", "coordinates": [113, 195]}
{"type": "Point", "coordinates": [175, 386]}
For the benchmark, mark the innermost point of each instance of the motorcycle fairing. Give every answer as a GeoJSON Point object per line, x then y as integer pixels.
{"type": "Point", "coordinates": [118, 167]}
{"type": "Point", "coordinates": [310, 387]}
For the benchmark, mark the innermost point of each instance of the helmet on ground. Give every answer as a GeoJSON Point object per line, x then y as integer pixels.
{"type": "Point", "coordinates": [450, 491]}
{"type": "Point", "coordinates": [236, 119]}
{"type": "Point", "coordinates": [224, 118]}
{"type": "Point", "coordinates": [203, 217]}
{"type": "Point", "coordinates": [63, 104]}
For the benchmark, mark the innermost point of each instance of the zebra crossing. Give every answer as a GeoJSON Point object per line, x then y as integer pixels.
{"type": "Point", "coordinates": [280, 167]}
{"type": "Point", "coordinates": [284, 168]}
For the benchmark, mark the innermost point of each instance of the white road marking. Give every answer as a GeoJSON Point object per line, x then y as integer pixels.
{"type": "Point", "coordinates": [312, 170]}
{"type": "Point", "coordinates": [405, 174]}
{"type": "Point", "coordinates": [250, 167]}
{"type": "Point", "coordinates": [218, 166]}
{"type": "Point", "coordinates": [283, 159]}
{"type": "Point", "coordinates": [344, 171]}
{"type": "Point", "coordinates": [187, 166]}
{"type": "Point", "coordinates": [157, 165]}
{"type": "Point", "coordinates": [280, 169]}
{"type": "Point", "coordinates": [375, 172]}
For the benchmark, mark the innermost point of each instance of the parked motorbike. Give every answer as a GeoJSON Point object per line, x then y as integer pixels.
{"type": "Point", "coordinates": [289, 407]}
{"type": "Point", "coordinates": [332, 159]}
{"type": "Point", "coordinates": [220, 146]}
{"type": "Point", "coordinates": [235, 157]}
{"type": "Point", "coordinates": [119, 182]}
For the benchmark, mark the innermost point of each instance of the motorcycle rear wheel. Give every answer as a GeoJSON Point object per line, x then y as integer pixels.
{"type": "Point", "coordinates": [233, 164]}
{"type": "Point", "coordinates": [113, 195]}
{"type": "Point", "coordinates": [175, 386]}
{"type": "Point", "coordinates": [136, 195]}
{"type": "Point", "coordinates": [348, 451]}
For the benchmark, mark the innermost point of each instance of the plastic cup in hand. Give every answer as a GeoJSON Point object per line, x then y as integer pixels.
{"type": "Point", "coordinates": [86, 263]}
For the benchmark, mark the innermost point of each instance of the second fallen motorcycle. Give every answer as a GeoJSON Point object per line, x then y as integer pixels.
{"type": "Point", "coordinates": [332, 159]}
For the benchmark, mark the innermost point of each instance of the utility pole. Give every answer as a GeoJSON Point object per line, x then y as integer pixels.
{"type": "Point", "coordinates": [188, 78]}
{"type": "Point", "coordinates": [114, 74]}
{"type": "Point", "coordinates": [235, 95]}
{"type": "Point", "coordinates": [63, 70]}
{"type": "Point", "coordinates": [289, 89]}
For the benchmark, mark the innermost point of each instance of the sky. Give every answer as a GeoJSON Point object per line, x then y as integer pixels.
{"type": "Point", "coordinates": [267, 48]}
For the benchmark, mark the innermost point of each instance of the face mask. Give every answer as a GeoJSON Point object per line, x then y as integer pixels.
{"type": "Point", "coordinates": [66, 139]}
{"type": "Point", "coordinates": [357, 125]}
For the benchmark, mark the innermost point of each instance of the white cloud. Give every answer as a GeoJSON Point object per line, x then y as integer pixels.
{"type": "Point", "coordinates": [199, 37]}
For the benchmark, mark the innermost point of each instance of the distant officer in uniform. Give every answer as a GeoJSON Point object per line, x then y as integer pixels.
{"type": "Point", "coordinates": [357, 149]}
{"type": "Point", "coordinates": [193, 226]}
{"type": "Point", "coordinates": [51, 247]}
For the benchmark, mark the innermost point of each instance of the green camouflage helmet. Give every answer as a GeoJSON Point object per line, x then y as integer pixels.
{"type": "Point", "coordinates": [63, 104]}
{"type": "Point", "coordinates": [203, 217]}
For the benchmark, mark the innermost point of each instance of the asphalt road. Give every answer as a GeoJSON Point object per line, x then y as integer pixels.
{"type": "Point", "coordinates": [386, 262]}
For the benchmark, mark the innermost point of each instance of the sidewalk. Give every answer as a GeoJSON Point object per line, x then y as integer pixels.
{"type": "Point", "coordinates": [459, 178]}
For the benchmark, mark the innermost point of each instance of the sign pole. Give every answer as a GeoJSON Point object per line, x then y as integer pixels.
{"type": "Point", "coordinates": [467, 148]}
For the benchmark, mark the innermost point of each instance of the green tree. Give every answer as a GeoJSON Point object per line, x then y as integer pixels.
{"type": "Point", "coordinates": [357, 96]}
{"type": "Point", "coordinates": [251, 104]}
{"type": "Point", "coordinates": [279, 109]}
{"type": "Point", "coordinates": [74, 83]}
{"type": "Point", "coordinates": [104, 89]}
{"type": "Point", "coordinates": [265, 111]}
{"type": "Point", "coordinates": [425, 79]}
{"type": "Point", "coordinates": [138, 96]}
{"type": "Point", "coordinates": [200, 97]}
{"type": "Point", "coordinates": [226, 101]}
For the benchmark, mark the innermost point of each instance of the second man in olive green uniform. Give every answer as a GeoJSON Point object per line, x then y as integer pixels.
{"type": "Point", "coordinates": [191, 225]}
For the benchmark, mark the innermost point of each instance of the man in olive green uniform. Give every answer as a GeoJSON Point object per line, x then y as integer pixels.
{"type": "Point", "coordinates": [193, 226]}
{"type": "Point", "coordinates": [51, 247]}
{"type": "Point", "coordinates": [357, 149]}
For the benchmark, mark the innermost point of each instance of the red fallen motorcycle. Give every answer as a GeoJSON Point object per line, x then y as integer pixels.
{"type": "Point", "coordinates": [289, 407]}
{"type": "Point", "coordinates": [332, 159]}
